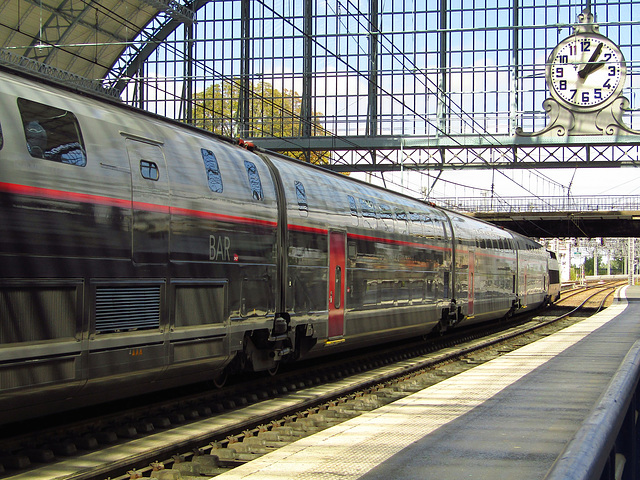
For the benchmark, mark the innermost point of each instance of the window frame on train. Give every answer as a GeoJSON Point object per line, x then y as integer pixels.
{"type": "Point", "coordinates": [212, 168]}
{"type": "Point", "coordinates": [52, 133]}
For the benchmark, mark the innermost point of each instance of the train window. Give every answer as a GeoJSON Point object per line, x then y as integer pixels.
{"type": "Point", "coordinates": [303, 206]}
{"type": "Point", "coordinates": [352, 250]}
{"type": "Point", "coordinates": [149, 170]}
{"type": "Point", "coordinates": [385, 212]}
{"type": "Point", "coordinates": [254, 180]}
{"type": "Point", "coordinates": [214, 179]}
{"type": "Point", "coordinates": [386, 217]}
{"type": "Point", "coordinates": [367, 207]}
{"type": "Point", "coordinates": [352, 205]}
{"type": "Point", "coordinates": [416, 225]}
{"type": "Point", "coordinates": [52, 133]}
{"type": "Point", "coordinates": [415, 217]}
{"type": "Point", "coordinates": [338, 298]}
{"type": "Point", "coordinates": [403, 220]}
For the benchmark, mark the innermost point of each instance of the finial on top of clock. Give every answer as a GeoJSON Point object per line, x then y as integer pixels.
{"type": "Point", "coordinates": [586, 22]}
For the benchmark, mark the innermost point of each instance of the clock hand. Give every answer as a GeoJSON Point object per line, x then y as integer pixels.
{"type": "Point", "coordinates": [591, 66]}
{"type": "Point", "coordinates": [596, 53]}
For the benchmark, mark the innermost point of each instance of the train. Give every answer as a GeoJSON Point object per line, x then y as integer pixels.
{"type": "Point", "coordinates": [139, 253]}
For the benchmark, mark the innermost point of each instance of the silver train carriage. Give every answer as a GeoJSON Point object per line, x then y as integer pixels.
{"type": "Point", "coordinates": [139, 253]}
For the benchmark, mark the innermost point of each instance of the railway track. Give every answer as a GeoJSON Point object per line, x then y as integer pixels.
{"type": "Point", "coordinates": [206, 433]}
{"type": "Point", "coordinates": [595, 295]}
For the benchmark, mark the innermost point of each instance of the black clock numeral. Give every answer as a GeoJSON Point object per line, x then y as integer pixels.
{"type": "Point", "coordinates": [586, 45]}
{"type": "Point", "coordinates": [563, 58]}
{"type": "Point", "coordinates": [606, 84]}
{"type": "Point", "coordinates": [573, 93]}
{"type": "Point", "coordinates": [597, 94]}
{"type": "Point", "coordinates": [562, 85]}
{"type": "Point", "coordinates": [559, 72]}
{"type": "Point", "coordinates": [572, 49]}
{"type": "Point", "coordinates": [612, 70]}
{"type": "Point", "coordinates": [607, 57]}
{"type": "Point", "coordinates": [585, 97]}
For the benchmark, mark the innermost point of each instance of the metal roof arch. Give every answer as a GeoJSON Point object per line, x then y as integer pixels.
{"type": "Point", "coordinates": [121, 74]}
{"type": "Point", "coordinates": [83, 37]}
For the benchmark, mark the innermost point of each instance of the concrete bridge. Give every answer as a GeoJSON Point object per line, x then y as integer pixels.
{"type": "Point", "coordinates": [584, 216]}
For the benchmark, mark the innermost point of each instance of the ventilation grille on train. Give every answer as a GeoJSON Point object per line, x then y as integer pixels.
{"type": "Point", "coordinates": [127, 308]}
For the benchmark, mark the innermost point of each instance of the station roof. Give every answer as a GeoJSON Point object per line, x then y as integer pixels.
{"type": "Point", "coordinates": [83, 37]}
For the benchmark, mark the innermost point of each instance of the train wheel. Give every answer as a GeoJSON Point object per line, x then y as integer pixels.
{"type": "Point", "coordinates": [221, 380]}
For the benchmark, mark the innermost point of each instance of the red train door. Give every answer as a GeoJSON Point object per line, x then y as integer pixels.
{"type": "Point", "coordinates": [472, 287]}
{"type": "Point", "coordinates": [337, 247]}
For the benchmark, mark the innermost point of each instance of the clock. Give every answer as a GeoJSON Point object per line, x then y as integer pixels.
{"type": "Point", "coordinates": [586, 71]}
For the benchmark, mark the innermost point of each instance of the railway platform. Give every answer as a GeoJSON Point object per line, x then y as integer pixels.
{"type": "Point", "coordinates": [552, 409]}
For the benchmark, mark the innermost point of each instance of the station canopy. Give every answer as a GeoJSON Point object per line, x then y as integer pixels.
{"type": "Point", "coordinates": [83, 37]}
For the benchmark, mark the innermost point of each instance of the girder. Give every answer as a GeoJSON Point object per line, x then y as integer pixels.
{"type": "Point", "coordinates": [472, 152]}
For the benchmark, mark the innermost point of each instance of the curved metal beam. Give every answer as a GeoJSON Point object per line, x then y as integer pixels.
{"type": "Point", "coordinates": [126, 72]}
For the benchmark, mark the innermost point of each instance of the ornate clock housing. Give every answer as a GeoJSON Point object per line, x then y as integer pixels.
{"type": "Point", "coordinates": [586, 71]}
{"type": "Point", "coordinates": [585, 74]}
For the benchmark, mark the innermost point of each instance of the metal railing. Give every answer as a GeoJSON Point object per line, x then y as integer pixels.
{"type": "Point", "coordinates": [591, 203]}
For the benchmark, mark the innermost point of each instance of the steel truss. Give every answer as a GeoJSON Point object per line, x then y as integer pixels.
{"type": "Point", "coordinates": [383, 154]}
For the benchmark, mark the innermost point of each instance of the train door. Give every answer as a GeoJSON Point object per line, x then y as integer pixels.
{"type": "Point", "coordinates": [150, 202]}
{"type": "Point", "coordinates": [472, 267]}
{"type": "Point", "coordinates": [337, 248]}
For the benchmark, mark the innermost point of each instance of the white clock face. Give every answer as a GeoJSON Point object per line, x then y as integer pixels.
{"type": "Point", "coordinates": [586, 71]}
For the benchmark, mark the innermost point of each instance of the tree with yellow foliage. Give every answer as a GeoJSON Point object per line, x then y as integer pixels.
{"type": "Point", "coordinates": [271, 114]}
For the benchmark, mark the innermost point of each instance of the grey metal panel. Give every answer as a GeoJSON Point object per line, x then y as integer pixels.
{"type": "Point", "coordinates": [129, 360]}
{"type": "Point", "coordinates": [205, 349]}
{"type": "Point", "coordinates": [37, 373]}
{"type": "Point", "coordinates": [199, 304]}
{"type": "Point", "coordinates": [32, 313]}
